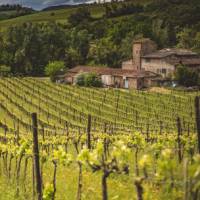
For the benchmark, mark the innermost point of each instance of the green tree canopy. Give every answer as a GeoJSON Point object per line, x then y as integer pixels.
{"type": "Point", "coordinates": [80, 16]}
{"type": "Point", "coordinates": [53, 68]}
{"type": "Point", "coordinates": [186, 77]}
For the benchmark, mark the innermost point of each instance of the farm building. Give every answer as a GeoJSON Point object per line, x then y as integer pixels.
{"type": "Point", "coordinates": [147, 67]}
{"type": "Point", "coordinates": [113, 77]}
{"type": "Point", "coordinates": [164, 62]}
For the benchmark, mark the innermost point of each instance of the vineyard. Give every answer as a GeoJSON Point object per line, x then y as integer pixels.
{"type": "Point", "coordinates": [62, 142]}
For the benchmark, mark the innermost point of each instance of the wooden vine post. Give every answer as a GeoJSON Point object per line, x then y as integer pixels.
{"type": "Point", "coordinates": [88, 132]}
{"type": "Point", "coordinates": [179, 139]}
{"type": "Point", "coordinates": [36, 157]}
{"type": "Point", "coordinates": [197, 112]}
{"type": "Point", "coordinates": [139, 188]}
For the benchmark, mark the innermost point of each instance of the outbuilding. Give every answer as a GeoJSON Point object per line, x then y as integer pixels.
{"type": "Point", "coordinates": [113, 77]}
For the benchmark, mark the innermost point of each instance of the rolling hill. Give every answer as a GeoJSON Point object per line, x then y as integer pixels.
{"type": "Point", "coordinates": [48, 16]}
{"type": "Point", "coordinates": [41, 4]}
{"type": "Point", "coordinates": [58, 15]}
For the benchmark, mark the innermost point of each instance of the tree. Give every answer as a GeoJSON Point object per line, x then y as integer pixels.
{"type": "Point", "coordinates": [104, 52]}
{"type": "Point", "coordinates": [79, 42]}
{"type": "Point", "coordinates": [186, 77]}
{"type": "Point", "coordinates": [81, 16]}
{"type": "Point", "coordinates": [196, 46]}
{"type": "Point", "coordinates": [53, 68]}
{"type": "Point", "coordinates": [30, 47]}
{"type": "Point", "coordinates": [185, 38]}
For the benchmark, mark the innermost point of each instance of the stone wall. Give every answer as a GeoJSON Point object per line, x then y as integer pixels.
{"type": "Point", "coordinates": [133, 83]}
{"type": "Point", "coordinates": [137, 50]}
{"type": "Point", "coordinates": [159, 66]}
{"type": "Point", "coordinates": [69, 80]}
{"type": "Point", "coordinates": [107, 80]}
{"type": "Point", "coordinates": [128, 65]}
{"type": "Point", "coordinates": [118, 81]}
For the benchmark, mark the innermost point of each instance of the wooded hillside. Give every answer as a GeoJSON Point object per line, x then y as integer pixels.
{"type": "Point", "coordinates": [96, 34]}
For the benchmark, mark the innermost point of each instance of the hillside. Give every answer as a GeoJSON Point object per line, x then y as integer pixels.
{"type": "Point", "coordinates": [82, 141]}
{"type": "Point", "coordinates": [98, 34]}
{"type": "Point", "coordinates": [41, 4]}
{"type": "Point", "coordinates": [59, 14]}
{"type": "Point", "coordinates": [13, 11]}
{"type": "Point", "coordinates": [49, 16]}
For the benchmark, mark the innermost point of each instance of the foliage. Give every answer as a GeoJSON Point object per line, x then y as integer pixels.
{"type": "Point", "coordinates": [186, 77]}
{"type": "Point", "coordinates": [29, 48]}
{"type": "Point", "coordinates": [12, 11]}
{"type": "Point", "coordinates": [7, 7]}
{"type": "Point", "coordinates": [105, 52]}
{"type": "Point", "coordinates": [80, 17]}
{"type": "Point", "coordinates": [88, 37]}
{"type": "Point", "coordinates": [92, 80]}
{"type": "Point", "coordinates": [88, 80]}
{"type": "Point", "coordinates": [4, 70]}
{"type": "Point", "coordinates": [189, 39]}
{"type": "Point", "coordinates": [61, 157]}
{"type": "Point", "coordinates": [48, 192]}
{"type": "Point", "coordinates": [113, 10]}
{"type": "Point", "coordinates": [53, 68]}
{"type": "Point", "coordinates": [117, 161]}
{"type": "Point", "coordinates": [80, 79]}
{"type": "Point", "coordinates": [134, 142]}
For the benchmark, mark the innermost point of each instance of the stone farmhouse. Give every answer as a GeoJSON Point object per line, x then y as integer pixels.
{"type": "Point", "coordinates": [164, 62]}
{"type": "Point", "coordinates": [147, 67]}
{"type": "Point", "coordinates": [112, 77]}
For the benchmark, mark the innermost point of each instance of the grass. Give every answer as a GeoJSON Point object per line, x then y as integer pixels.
{"type": "Point", "coordinates": [67, 182]}
{"type": "Point", "coordinates": [61, 16]}
{"type": "Point", "coordinates": [120, 187]}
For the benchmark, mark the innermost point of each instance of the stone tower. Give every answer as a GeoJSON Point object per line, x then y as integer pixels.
{"type": "Point", "coordinates": [140, 48]}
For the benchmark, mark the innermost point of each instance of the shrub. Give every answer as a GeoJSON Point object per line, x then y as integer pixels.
{"type": "Point", "coordinates": [4, 70]}
{"type": "Point", "coordinates": [80, 80]}
{"type": "Point", "coordinates": [92, 80]}
{"type": "Point", "coordinates": [80, 16]}
{"type": "Point", "coordinates": [186, 77]}
{"type": "Point", "coordinates": [88, 80]}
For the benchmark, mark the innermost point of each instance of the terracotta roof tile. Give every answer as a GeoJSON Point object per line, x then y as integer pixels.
{"type": "Point", "coordinates": [169, 52]}
{"type": "Point", "coordinates": [108, 71]}
{"type": "Point", "coordinates": [191, 61]}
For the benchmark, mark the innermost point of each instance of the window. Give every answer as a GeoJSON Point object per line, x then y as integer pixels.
{"type": "Point", "coordinates": [147, 60]}
{"type": "Point", "coordinates": [163, 71]}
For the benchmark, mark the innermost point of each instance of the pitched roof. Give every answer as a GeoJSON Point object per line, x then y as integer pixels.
{"type": "Point", "coordinates": [169, 52]}
{"type": "Point", "coordinates": [109, 71]}
{"type": "Point", "coordinates": [191, 61]}
{"type": "Point", "coordinates": [90, 69]}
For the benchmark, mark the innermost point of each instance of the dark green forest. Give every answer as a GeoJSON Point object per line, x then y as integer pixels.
{"type": "Point", "coordinates": [105, 41]}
